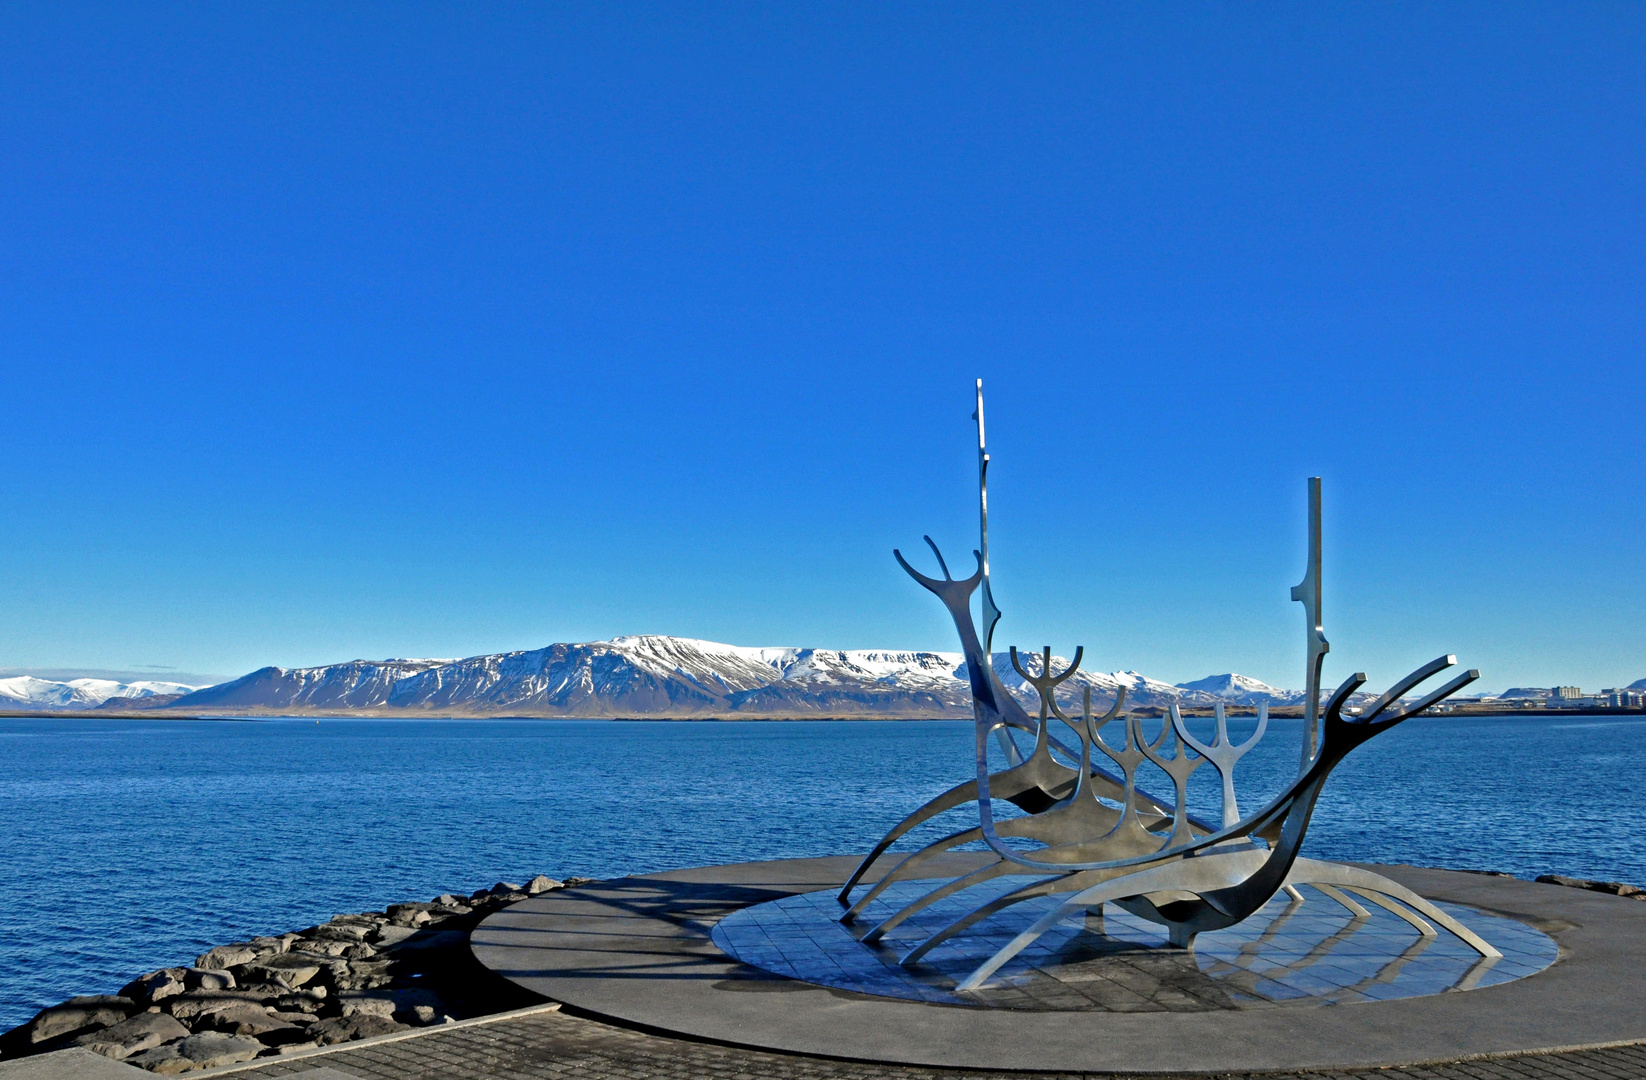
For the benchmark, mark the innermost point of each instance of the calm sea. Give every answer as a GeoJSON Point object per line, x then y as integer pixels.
{"type": "Point", "coordinates": [132, 845]}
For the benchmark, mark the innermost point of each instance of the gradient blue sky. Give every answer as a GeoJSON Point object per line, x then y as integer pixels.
{"type": "Point", "coordinates": [339, 330]}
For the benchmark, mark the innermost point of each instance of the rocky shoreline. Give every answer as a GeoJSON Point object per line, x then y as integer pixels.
{"type": "Point", "coordinates": [353, 977]}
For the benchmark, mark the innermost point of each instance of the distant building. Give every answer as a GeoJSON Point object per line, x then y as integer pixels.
{"type": "Point", "coordinates": [1566, 692]}
{"type": "Point", "coordinates": [1624, 699]}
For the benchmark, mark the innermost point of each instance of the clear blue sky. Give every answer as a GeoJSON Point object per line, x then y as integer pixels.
{"type": "Point", "coordinates": [338, 330]}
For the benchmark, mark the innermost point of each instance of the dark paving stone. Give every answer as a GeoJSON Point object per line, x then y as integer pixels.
{"type": "Point", "coordinates": [557, 1045]}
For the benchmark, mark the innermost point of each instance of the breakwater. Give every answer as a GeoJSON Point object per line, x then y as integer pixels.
{"type": "Point", "coordinates": [352, 977]}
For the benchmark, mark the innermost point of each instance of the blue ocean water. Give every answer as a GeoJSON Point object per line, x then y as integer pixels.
{"type": "Point", "coordinates": [132, 845]}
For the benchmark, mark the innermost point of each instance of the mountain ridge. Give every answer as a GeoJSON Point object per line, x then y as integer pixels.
{"type": "Point", "coordinates": [661, 676]}
{"type": "Point", "coordinates": [641, 676]}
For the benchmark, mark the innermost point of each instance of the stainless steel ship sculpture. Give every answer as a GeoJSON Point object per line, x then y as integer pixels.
{"type": "Point", "coordinates": [1102, 839]}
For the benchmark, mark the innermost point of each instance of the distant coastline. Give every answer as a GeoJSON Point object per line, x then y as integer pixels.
{"type": "Point", "coordinates": [1281, 713]}
{"type": "Point", "coordinates": [659, 677]}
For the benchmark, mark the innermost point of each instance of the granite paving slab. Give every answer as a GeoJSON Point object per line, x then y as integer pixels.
{"type": "Point", "coordinates": [542, 1046]}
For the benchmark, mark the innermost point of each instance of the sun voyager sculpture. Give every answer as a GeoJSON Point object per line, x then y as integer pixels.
{"type": "Point", "coordinates": [1092, 836]}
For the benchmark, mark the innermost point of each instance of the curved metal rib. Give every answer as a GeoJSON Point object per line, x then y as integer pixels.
{"type": "Point", "coordinates": [1045, 887]}
{"type": "Point", "coordinates": [906, 868]}
{"type": "Point", "coordinates": [1000, 868]}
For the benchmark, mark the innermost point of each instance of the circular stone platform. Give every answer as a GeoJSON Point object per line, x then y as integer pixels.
{"type": "Point", "coordinates": [658, 951]}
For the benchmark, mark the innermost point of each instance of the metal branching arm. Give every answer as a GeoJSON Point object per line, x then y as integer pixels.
{"type": "Point", "coordinates": [1222, 753]}
{"type": "Point", "coordinates": [956, 596]}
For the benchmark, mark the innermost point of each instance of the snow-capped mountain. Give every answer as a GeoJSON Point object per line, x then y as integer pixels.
{"type": "Point", "coordinates": [665, 676]}
{"type": "Point", "coordinates": [628, 676]}
{"type": "Point", "coordinates": [26, 691]}
{"type": "Point", "coordinates": [637, 676]}
{"type": "Point", "coordinates": [1243, 690]}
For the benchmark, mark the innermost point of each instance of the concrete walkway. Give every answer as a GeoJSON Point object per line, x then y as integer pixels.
{"type": "Point", "coordinates": [554, 1044]}
{"type": "Point", "coordinates": [535, 1045]}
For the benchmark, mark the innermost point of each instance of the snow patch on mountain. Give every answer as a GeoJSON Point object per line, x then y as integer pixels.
{"type": "Point", "coordinates": [1242, 690]}
{"type": "Point", "coordinates": [26, 691]}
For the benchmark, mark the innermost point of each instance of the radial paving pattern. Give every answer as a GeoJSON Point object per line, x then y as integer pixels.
{"type": "Point", "coordinates": [1313, 953]}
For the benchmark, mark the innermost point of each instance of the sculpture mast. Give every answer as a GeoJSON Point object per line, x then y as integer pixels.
{"type": "Point", "coordinates": [1307, 592]}
{"type": "Point", "coordinates": [991, 614]}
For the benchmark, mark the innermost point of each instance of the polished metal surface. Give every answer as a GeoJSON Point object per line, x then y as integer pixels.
{"type": "Point", "coordinates": [1097, 838]}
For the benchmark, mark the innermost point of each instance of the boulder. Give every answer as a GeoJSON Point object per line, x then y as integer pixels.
{"type": "Point", "coordinates": [334, 972]}
{"type": "Point", "coordinates": [79, 1014]}
{"type": "Point", "coordinates": [265, 992]}
{"type": "Point", "coordinates": [301, 1019]}
{"type": "Point", "coordinates": [244, 1019]}
{"type": "Point", "coordinates": [133, 1035]}
{"type": "Point", "coordinates": [391, 934]}
{"type": "Point", "coordinates": [340, 1029]}
{"type": "Point", "coordinates": [164, 1060]}
{"type": "Point", "coordinates": [441, 911]}
{"type": "Point", "coordinates": [288, 1035]}
{"type": "Point", "coordinates": [228, 956]}
{"type": "Point", "coordinates": [199, 978]}
{"type": "Point", "coordinates": [428, 941]}
{"type": "Point", "coordinates": [367, 919]}
{"type": "Point", "coordinates": [292, 969]}
{"type": "Point", "coordinates": [155, 986]}
{"type": "Point", "coordinates": [428, 1016]}
{"type": "Point", "coordinates": [209, 1049]}
{"type": "Point", "coordinates": [270, 945]}
{"type": "Point", "coordinates": [412, 914]}
{"type": "Point", "coordinates": [395, 911]}
{"type": "Point", "coordinates": [401, 1003]}
{"type": "Point", "coordinates": [324, 947]}
{"type": "Point", "coordinates": [192, 1004]}
{"type": "Point", "coordinates": [504, 887]}
{"type": "Point", "coordinates": [572, 882]}
{"type": "Point", "coordinates": [367, 1003]}
{"type": "Point", "coordinates": [309, 999]}
{"type": "Point", "coordinates": [335, 931]}
{"type": "Point", "coordinates": [381, 962]}
{"type": "Point", "coordinates": [365, 981]}
{"type": "Point", "coordinates": [1616, 888]}
{"type": "Point", "coordinates": [540, 884]}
